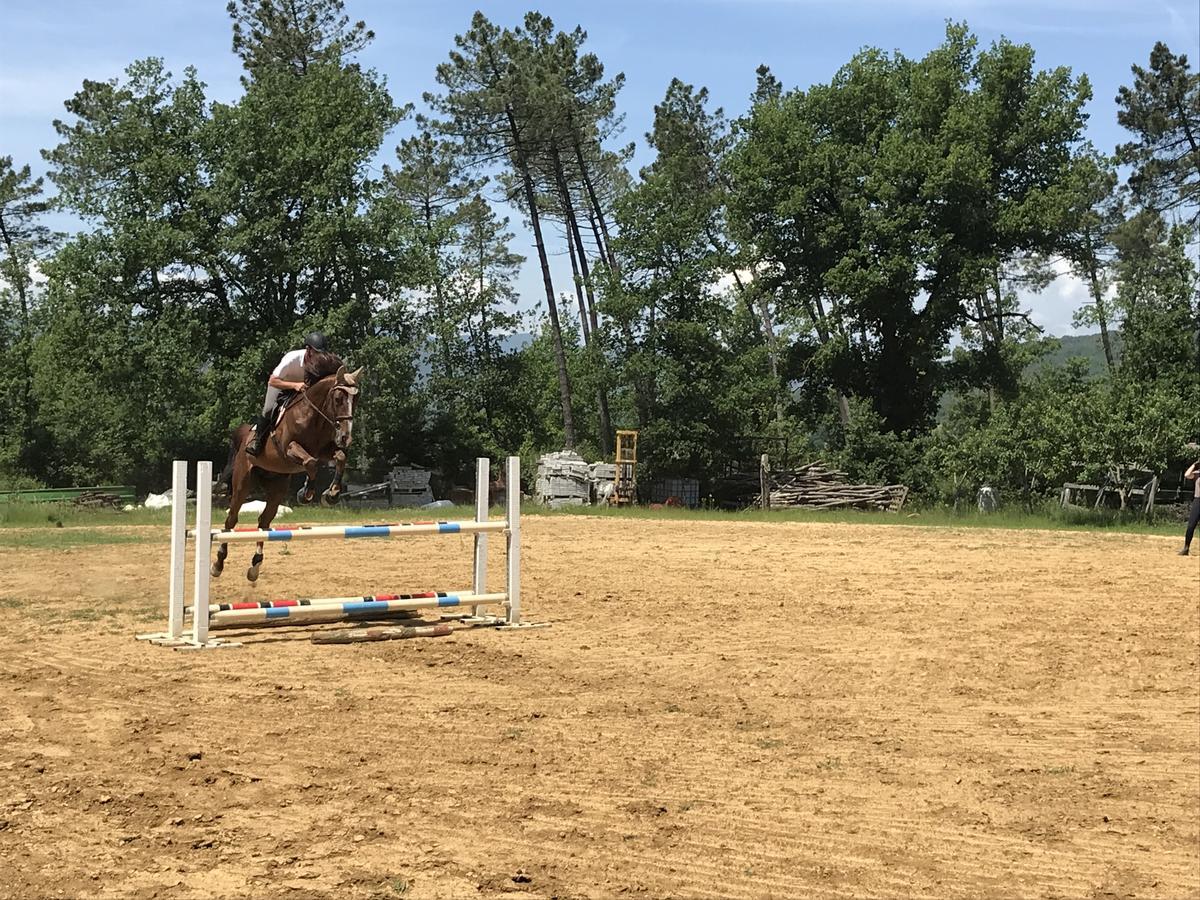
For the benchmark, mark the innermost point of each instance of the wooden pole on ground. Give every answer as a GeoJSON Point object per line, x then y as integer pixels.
{"type": "Point", "coordinates": [362, 635]}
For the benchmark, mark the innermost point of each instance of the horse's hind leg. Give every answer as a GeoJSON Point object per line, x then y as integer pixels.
{"type": "Point", "coordinates": [275, 489]}
{"type": "Point", "coordinates": [238, 490]}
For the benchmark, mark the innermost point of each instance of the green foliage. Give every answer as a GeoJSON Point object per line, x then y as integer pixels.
{"type": "Point", "coordinates": [23, 241]}
{"type": "Point", "coordinates": [292, 35]}
{"type": "Point", "coordinates": [870, 453]}
{"type": "Point", "coordinates": [1162, 109]}
{"type": "Point", "coordinates": [695, 383]}
{"type": "Point", "coordinates": [832, 268]}
{"type": "Point", "coordinates": [1159, 297]}
{"type": "Point", "coordinates": [884, 202]}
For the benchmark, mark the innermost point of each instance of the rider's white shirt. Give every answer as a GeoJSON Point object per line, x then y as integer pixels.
{"type": "Point", "coordinates": [291, 367]}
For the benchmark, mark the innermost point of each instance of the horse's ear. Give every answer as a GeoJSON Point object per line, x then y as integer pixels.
{"type": "Point", "coordinates": [352, 378]}
{"type": "Point", "coordinates": [341, 375]}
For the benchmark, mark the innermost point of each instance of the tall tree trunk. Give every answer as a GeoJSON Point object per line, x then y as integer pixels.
{"type": "Point", "coordinates": [606, 247]}
{"type": "Point", "coordinates": [761, 318]}
{"type": "Point", "coordinates": [1098, 299]}
{"type": "Point", "coordinates": [591, 214]}
{"type": "Point", "coordinates": [768, 325]}
{"type": "Point", "coordinates": [521, 163]}
{"type": "Point", "coordinates": [584, 323]}
{"type": "Point", "coordinates": [483, 325]}
{"type": "Point", "coordinates": [20, 282]}
{"type": "Point", "coordinates": [573, 235]}
{"type": "Point", "coordinates": [590, 345]}
{"type": "Point", "coordinates": [576, 248]}
{"type": "Point", "coordinates": [585, 312]}
{"type": "Point", "coordinates": [439, 297]}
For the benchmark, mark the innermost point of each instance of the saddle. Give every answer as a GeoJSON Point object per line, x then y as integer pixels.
{"type": "Point", "coordinates": [287, 399]}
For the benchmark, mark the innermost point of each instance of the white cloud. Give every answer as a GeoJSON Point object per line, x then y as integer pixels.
{"type": "Point", "coordinates": [1054, 307]}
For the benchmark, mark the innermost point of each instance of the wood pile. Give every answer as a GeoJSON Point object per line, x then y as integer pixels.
{"type": "Point", "coordinates": [97, 498]}
{"type": "Point", "coordinates": [813, 486]}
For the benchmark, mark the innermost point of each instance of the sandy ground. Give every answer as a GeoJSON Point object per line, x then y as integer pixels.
{"type": "Point", "coordinates": [719, 710]}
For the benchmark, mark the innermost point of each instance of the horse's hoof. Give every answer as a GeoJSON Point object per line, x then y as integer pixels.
{"type": "Point", "coordinates": [252, 574]}
{"type": "Point", "coordinates": [215, 570]}
{"type": "Point", "coordinates": [328, 499]}
{"type": "Point", "coordinates": [303, 498]}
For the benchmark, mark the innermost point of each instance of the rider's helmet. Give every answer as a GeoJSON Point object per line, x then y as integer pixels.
{"type": "Point", "coordinates": [315, 340]}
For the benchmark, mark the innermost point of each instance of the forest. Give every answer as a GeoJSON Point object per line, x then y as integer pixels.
{"type": "Point", "coordinates": [847, 266]}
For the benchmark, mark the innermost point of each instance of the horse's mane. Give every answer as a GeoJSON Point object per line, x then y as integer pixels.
{"type": "Point", "coordinates": [321, 365]}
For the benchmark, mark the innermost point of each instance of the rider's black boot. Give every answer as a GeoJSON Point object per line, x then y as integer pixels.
{"type": "Point", "coordinates": [261, 429]}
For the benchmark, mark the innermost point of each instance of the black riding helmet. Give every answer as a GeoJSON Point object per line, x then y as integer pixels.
{"type": "Point", "coordinates": [316, 340]}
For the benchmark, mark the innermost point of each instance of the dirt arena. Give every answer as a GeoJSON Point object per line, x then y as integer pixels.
{"type": "Point", "coordinates": [719, 710]}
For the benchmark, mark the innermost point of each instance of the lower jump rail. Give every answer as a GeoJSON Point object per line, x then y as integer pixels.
{"type": "Point", "coordinates": [356, 609]}
{"type": "Point", "coordinates": [398, 529]}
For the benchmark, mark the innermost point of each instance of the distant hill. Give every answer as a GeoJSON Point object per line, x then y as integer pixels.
{"type": "Point", "coordinates": [1089, 346]}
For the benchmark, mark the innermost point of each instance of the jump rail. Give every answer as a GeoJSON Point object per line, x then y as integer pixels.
{"type": "Point", "coordinates": [206, 615]}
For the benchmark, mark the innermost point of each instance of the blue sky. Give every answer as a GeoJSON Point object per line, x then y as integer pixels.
{"type": "Point", "coordinates": [52, 45]}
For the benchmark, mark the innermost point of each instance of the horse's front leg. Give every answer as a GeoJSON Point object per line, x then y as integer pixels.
{"type": "Point", "coordinates": [275, 490]}
{"type": "Point", "coordinates": [237, 497]}
{"type": "Point", "coordinates": [308, 462]}
{"type": "Point", "coordinates": [331, 496]}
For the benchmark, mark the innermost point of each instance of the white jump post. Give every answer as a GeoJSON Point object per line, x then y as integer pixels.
{"type": "Point", "coordinates": [482, 505]}
{"type": "Point", "coordinates": [512, 496]}
{"type": "Point", "coordinates": [179, 482]}
{"type": "Point", "coordinates": [206, 615]}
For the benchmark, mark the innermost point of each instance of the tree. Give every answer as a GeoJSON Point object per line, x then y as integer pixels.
{"type": "Point", "coordinates": [886, 204]}
{"type": "Point", "coordinates": [430, 180]}
{"type": "Point", "coordinates": [488, 108]}
{"type": "Point", "coordinates": [219, 234]}
{"type": "Point", "coordinates": [1159, 300]}
{"type": "Point", "coordinates": [1162, 109]}
{"type": "Point", "coordinates": [294, 34]}
{"type": "Point", "coordinates": [1094, 213]}
{"type": "Point", "coordinates": [681, 340]}
{"type": "Point", "coordinates": [1028, 445]}
{"type": "Point", "coordinates": [24, 241]}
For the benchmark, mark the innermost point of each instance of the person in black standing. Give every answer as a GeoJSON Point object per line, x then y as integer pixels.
{"type": "Point", "coordinates": [1193, 473]}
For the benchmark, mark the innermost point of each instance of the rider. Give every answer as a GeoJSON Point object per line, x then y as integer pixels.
{"type": "Point", "coordinates": [287, 376]}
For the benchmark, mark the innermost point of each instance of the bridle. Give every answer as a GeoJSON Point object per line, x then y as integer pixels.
{"type": "Point", "coordinates": [336, 420]}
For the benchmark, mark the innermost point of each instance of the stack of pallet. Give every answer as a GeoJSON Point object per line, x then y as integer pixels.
{"type": "Point", "coordinates": [563, 479]}
{"type": "Point", "coordinates": [815, 487]}
{"type": "Point", "coordinates": [410, 486]}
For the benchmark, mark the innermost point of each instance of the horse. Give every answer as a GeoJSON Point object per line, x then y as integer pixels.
{"type": "Point", "coordinates": [315, 427]}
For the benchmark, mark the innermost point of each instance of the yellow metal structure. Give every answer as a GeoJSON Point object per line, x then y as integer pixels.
{"type": "Point", "coordinates": [625, 486]}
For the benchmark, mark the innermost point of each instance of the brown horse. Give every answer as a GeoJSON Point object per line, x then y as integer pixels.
{"type": "Point", "coordinates": [315, 427]}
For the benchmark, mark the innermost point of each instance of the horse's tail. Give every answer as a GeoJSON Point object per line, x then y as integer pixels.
{"type": "Point", "coordinates": [237, 440]}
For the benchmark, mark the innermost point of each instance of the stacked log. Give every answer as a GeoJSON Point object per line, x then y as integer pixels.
{"type": "Point", "coordinates": [813, 486]}
{"type": "Point", "coordinates": [98, 498]}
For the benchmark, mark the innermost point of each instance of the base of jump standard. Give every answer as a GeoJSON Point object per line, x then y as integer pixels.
{"type": "Point", "coordinates": [206, 615]}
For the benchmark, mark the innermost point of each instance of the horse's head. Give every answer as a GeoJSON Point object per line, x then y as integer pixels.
{"type": "Point", "coordinates": [342, 400]}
